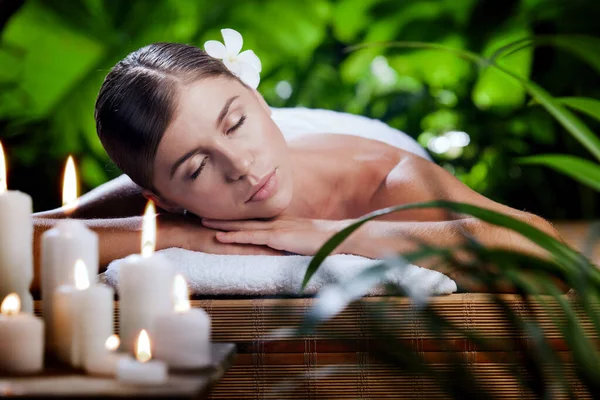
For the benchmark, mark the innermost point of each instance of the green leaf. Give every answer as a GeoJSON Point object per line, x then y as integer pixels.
{"type": "Point", "coordinates": [494, 90]}
{"type": "Point", "coordinates": [55, 60]}
{"type": "Point", "coordinates": [563, 254]}
{"type": "Point", "coordinates": [566, 118]}
{"type": "Point", "coordinates": [582, 46]}
{"type": "Point", "coordinates": [581, 170]}
{"type": "Point", "coordinates": [588, 106]}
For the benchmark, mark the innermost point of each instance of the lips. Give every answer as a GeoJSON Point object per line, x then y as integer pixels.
{"type": "Point", "coordinates": [265, 188]}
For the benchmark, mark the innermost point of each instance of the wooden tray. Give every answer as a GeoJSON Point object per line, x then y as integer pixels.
{"type": "Point", "coordinates": [58, 381]}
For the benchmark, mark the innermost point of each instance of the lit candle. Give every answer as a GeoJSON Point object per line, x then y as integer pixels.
{"type": "Point", "coordinates": [106, 363]}
{"type": "Point", "coordinates": [16, 241]}
{"type": "Point", "coordinates": [69, 241]}
{"type": "Point", "coordinates": [83, 318]}
{"type": "Point", "coordinates": [21, 339]}
{"type": "Point", "coordinates": [182, 337]}
{"type": "Point", "coordinates": [145, 286]}
{"type": "Point", "coordinates": [142, 370]}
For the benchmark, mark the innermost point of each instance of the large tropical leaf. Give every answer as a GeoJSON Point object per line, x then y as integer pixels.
{"type": "Point", "coordinates": [582, 170]}
{"type": "Point", "coordinates": [563, 254]}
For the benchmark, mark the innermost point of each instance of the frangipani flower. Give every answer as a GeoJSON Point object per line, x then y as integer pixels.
{"type": "Point", "coordinates": [245, 65]}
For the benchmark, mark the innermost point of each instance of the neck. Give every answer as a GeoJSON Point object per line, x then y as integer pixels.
{"type": "Point", "coordinates": [319, 187]}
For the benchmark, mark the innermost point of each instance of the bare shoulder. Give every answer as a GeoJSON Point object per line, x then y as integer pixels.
{"type": "Point", "coordinates": [338, 141]}
{"type": "Point", "coordinates": [383, 175]}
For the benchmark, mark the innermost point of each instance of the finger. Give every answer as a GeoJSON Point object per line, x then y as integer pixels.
{"type": "Point", "coordinates": [235, 225]}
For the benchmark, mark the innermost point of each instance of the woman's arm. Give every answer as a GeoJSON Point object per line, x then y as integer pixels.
{"type": "Point", "coordinates": [412, 180]}
{"type": "Point", "coordinates": [118, 198]}
{"type": "Point", "coordinates": [120, 237]}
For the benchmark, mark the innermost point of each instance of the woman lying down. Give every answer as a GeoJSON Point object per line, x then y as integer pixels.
{"type": "Point", "coordinates": [200, 142]}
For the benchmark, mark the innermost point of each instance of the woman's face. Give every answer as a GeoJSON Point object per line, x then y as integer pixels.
{"type": "Point", "coordinates": [222, 156]}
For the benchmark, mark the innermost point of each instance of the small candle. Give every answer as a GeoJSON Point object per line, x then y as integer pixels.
{"type": "Point", "coordinates": [142, 370]}
{"type": "Point", "coordinates": [61, 247]}
{"type": "Point", "coordinates": [182, 337]}
{"type": "Point", "coordinates": [16, 241]}
{"type": "Point", "coordinates": [106, 363]}
{"type": "Point", "coordinates": [21, 339]}
{"type": "Point", "coordinates": [83, 318]}
{"type": "Point", "coordinates": [145, 286]}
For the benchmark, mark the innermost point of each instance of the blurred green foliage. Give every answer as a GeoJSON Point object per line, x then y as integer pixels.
{"type": "Point", "coordinates": [55, 54]}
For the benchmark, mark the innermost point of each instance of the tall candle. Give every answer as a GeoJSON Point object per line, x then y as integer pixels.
{"type": "Point", "coordinates": [182, 337]}
{"type": "Point", "coordinates": [83, 319]}
{"type": "Point", "coordinates": [145, 286]}
{"type": "Point", "coordinates": [21, 339]}
{"type": "Point", "coordinates": [16, 241]}
{"type": "Point", "coordinates": [62, 246]}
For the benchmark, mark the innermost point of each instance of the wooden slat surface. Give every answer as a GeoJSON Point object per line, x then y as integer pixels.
{"type": "Point", "coordinates": [264, 363]}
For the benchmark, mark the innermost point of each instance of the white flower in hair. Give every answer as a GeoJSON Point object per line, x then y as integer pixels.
{"type": "Point", "coordinates": [245, 65]}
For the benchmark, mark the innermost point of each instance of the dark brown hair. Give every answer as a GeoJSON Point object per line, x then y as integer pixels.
{"type": "Point", "coordinates": [137, 100]}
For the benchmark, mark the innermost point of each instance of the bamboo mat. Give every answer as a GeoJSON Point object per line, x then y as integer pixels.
{"type": "Point", "coordinates": [335, 361]}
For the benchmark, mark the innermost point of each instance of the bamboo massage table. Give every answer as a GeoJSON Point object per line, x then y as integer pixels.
{"type": "Point", "coordinates": [319, 367]}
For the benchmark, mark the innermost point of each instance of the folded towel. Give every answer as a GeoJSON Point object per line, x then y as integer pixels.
{"type": "Point", "coordinates": [213, 274]}
{"type": "Point", "coordinates": [209, 274]}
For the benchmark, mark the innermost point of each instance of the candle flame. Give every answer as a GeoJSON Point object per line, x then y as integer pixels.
{"type": "Point", "coordinates": [3, 184]}
{"type": "Point", "coordinates": [182, 298]}
{"type": "Point", "coordinates": [11, 305]}
{"type": "Point", "coordinates": [70, 186]}
{"type": "Point", "coordinates": [143, 353]}
{"type": "Point", "coordinates": [82, 280]}
{"type": "Point", "coordinates": [149, 230]}
{"type": "Point", "coordinates": [112, 343]}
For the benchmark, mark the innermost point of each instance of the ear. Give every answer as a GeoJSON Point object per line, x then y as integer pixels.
{"type": "Point", "coordinates": [162, 203]}
{"type": "Point", "coordinates": [262, 101]}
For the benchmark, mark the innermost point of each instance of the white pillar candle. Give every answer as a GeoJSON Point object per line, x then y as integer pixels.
{"type": "Point", "coordinates": [182, 337]}
{"type": "Point", "coordinates": [16, 241]}
{"type": "Point", "coordinates": [145, 286]}
{"type": "Point", "coordinates": [21, 339]}
{"type": "Point", "coordinates": [142, 370]}
{"type": "Point", "coordinates": [69, 241]}
{"type": "Point", "coordinates": [105, 364]}
{"type": "Point", "coordinates": [83, 318]}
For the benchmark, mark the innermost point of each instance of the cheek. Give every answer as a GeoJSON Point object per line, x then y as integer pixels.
{"type": "Point", "coordinates": [211, 202]}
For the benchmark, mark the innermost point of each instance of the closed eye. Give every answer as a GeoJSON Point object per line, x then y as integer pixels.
{"type": "Point", "coordinates": [236, 126]}
{"type": "Point", "coordinates": [200, 168]}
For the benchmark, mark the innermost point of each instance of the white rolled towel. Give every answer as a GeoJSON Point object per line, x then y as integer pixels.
{"type": "Point", "coordinates": [214, 274]}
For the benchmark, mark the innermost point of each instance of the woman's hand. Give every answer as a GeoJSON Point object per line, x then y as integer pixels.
{"type": "Point", "coordinates": [188, 233]}
{"type": "Point", "coordinates": [294, 235]}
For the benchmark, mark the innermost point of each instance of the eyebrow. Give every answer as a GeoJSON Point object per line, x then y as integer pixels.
{"type": "Point", "coordinates": [190, 153]}
{"type": "Point", "coordinates": [225, 110]}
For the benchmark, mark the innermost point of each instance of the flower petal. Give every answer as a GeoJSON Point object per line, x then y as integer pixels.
{"type": "Point", "coordinates": [249, 75]}
{"type": "Point", "coordinates": [249, 57]}
{"type": "Point", "coordinates": [234, 66]}
{"type": "Point", "coordinates": [215, 49]}
{"type": "Point", "coordinates": [233, 41]}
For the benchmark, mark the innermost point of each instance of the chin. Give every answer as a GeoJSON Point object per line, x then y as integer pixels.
{"type": "Point", "coordinates": [272, 207]}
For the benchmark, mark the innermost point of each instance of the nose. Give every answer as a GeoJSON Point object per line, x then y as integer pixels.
{"type": "Point", "coordinates": [238, 163]}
